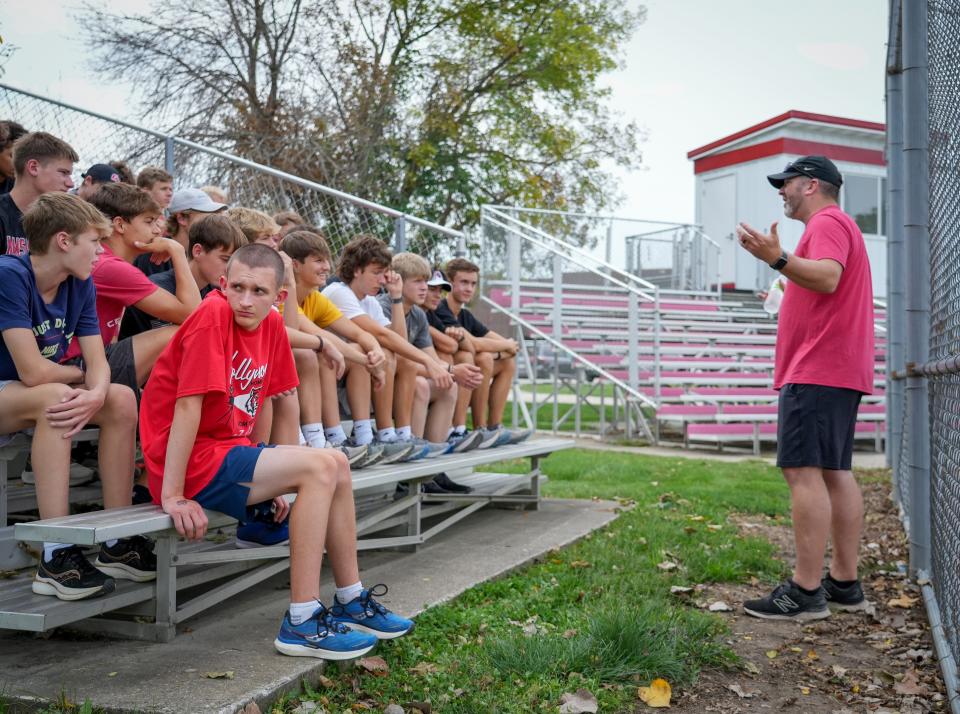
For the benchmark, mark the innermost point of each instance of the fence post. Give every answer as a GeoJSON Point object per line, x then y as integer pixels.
{"type": "Point", "coordinates": [917, 268]}
{"type": "Point", "coordinates": [168, 155]}
{"type": "Point", "coordinates": [400, 234]}
{"type": "Point", "coordinates": [608, 253]}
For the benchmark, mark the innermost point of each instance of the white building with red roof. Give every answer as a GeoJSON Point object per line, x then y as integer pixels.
{"type": "Point", "coordinates": [731, 186]}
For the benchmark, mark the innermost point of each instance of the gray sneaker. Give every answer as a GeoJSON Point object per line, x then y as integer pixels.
{"type": "Point", "coordinates": [458, 443]}
{"type": "Point", "coordinates": [490, 437]}
{"type": "Point", "coordinates": [394, 451]}
{"type": "Point", "coordinates": [518, 435]}
{"type": "Point", "coordinates": [354, 453]}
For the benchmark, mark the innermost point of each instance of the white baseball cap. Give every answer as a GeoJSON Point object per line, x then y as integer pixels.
{"type": "Point", "coordinates": [193, 199]}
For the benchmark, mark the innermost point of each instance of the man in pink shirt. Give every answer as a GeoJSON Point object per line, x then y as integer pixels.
{"type": "Point", "coordinates": [823, 366]}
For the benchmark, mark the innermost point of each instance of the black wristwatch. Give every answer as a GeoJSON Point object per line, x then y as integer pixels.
{"type": "Point", "coordinates": [396, 301]}
{"type": "Point", "coordinates": [780, 262]}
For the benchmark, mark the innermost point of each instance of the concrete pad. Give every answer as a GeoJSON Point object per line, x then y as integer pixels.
{"type": "Point", "coordinates": [122, 676]}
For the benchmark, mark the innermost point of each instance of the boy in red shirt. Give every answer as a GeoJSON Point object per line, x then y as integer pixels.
{"type": "Point", "coordinates": [199, 427]}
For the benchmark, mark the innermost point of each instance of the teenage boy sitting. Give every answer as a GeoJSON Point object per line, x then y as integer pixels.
{"type": "Point", "coordinates": [319, 405]}
{"type": "Point", "coordinates": [256, 225]}
{"type": "Point", "coordinates": [135, 221]}
{"type": "Point", "coordinates": [365, 269]}
{"type": "Point", "coordinates": [42, 163]}
{"type": "Point", "coordinates": [187, 207]}
{"type": "Point", "coordinates": [48, 299]}
{"type": "Point", "coordinates": [431, 408]}
{"type": "Point", "coordinates": [495, 355]}
{"type": "Point", "coordinates": [199, 424]}
{"type": "Point", "coordinates": [158, 183]}
{"type": "Point", "coordinates": [212, 242]}
{"type": "Point", "coordinates": [94, 177]}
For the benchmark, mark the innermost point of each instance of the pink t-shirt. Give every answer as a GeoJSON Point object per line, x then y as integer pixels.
{"type": "Point", "coordinates": [118, 284]}
{"type": "Point", "coordinates": [827, 339]}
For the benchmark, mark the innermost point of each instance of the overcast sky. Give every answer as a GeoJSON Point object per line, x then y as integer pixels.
{"type": "Point", "coordinates": [697, 70]}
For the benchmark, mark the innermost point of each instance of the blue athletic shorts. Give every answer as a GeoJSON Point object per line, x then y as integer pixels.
{"type": "Point", "coordinates": [228, 491]}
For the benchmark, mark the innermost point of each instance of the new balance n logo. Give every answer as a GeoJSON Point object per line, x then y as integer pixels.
{"type": "Point", "coordinates": [785, 603]}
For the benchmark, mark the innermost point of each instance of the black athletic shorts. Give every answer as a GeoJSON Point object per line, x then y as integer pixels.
{"type": "Point", "coordinates": [816, 426]}
{"type": "Point", "coordinates": [123, 368]}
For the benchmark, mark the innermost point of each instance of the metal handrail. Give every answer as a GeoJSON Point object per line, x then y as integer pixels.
{"type": "Point", "coordinates": [583, 360]}
{"type": "Point", "coordinates": [596, 216]}
{"type": "Point", "coordinates": [573, 249]}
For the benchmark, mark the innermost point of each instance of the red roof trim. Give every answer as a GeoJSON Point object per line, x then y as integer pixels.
{"type": "Point", "coordinates": [792, 114]}
{"type": "Point", "coordinates": [788, 146]}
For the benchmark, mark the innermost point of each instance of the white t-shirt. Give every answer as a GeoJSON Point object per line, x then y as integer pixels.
{"type": "Point", "coordinates": [342, 296]}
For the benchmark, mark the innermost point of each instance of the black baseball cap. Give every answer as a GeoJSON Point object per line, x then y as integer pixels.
{"type": "Point", "coordinates": [102, 173]}
{"type": "Point", "coordinates": [818, 167]}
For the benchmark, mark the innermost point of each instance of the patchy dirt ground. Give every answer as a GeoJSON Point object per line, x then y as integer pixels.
{"type": "Point", "coordinates": [876, 661]}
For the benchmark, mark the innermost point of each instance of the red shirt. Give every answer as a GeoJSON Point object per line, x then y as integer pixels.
{"type": "Point", "coordinates": [827, 339]}
{"type": "Point", "coordinates": [236, 371]}
{"type": "Point", "coordinates": [119, 284]}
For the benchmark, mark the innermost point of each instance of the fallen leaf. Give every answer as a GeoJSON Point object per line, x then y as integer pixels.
{"type": "Point", "coordinates": [251, 708]}
{"type": "Point", "coordinates": [218, 675]}
{"type": "Point", "coordinates": [679, 590]}
{"type": "Point", "coordinates": [839, 671]}
{"type": "Point", "coordinates": [696, 518]}
{"type": "Point", "coordinates": [423, 707]}
{"type": "Point", "coordinates": [667, 566]}
{"type": "Point", "coordinates": [796, 649]}
{"type": "Point", "coordinates": [579, 564]}
{"type": "Point", "coordinates": [772, 654]}
{"type": "Point", "coordinates": [751, 667]}
{"type": "Point", "coordinates": [904, 601]}
{"type": "Point", "coordinates": [714, 527]}
{"type": "Point", "coordinates": [911, 685]}
{"type": "Point", "coordinates": [374, 665]}
{"type": "Point", "coordinates": [580, 702]}
{"type": "Point", "coordinates": [8, 574]}
{"type": "Point", "coordinates": [811, 655]}
{"type": "Point", "coordinates": [112, 674]}
{"type": "Point", "coordinates": [423, 668]}
{"type": "Point", "coordinates": [720, 606]}
{"type": "Point", "coordinates": [567, 634]}
{"type": "Point", "coordinates": [804, 690]}
{"type": "Point", "coordinates": [739, 691]}
{"type": "Point", "coordinates": [657, 695]}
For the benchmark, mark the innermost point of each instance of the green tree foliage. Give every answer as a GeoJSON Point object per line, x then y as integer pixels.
{"type": "Point", "coordinates": [431, 106]}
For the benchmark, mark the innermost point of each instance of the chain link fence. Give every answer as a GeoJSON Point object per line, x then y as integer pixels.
{"type": "Point", "coordinates": [100, 139]}
{"type": "Point", "coordinates": [923, 98]}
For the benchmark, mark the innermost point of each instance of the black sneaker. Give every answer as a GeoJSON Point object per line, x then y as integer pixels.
{"type": "Point", "coordinates": [849, 598]}
{"type": "Point", "coordinates": [141, 495]}
{"type": "Point", "coordinates": [129, 559]}
{"type": "Point", "coordinates": [68, 575]}
{"type": "Point", "coordinates": [788, 602]}
{"type": "Point", "coordinates": [432, 487]}
{"type": "Point", "coordinates": [443, 481]}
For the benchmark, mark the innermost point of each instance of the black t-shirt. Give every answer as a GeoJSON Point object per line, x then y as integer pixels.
{"type": "Point", "coordinates": [11, 227]}
{"type": "Point", "coordinates": [150, 269]}
{"type": "Point", "coordinates": [434, 321]}
{"type": "Point", "coordinates": [6, 186]}
{"type": "Point", "coordinates": [136, 321]}
{"type": "Point", "coordinates": [464, 319]}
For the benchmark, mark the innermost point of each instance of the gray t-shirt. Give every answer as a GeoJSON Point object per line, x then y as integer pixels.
{"type": "Point", "coordinates": [418, 331]}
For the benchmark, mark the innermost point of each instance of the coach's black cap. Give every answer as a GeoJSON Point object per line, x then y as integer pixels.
{"type": "Point", "coordinates": [818, 167]}
{"type": "Point", "coordinates": [102, 173]}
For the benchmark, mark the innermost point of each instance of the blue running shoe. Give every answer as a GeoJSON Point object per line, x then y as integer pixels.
{"type": "Point", "coordinates": [321, 636]}
{"type": "Point", "coordinates": [365, 614]}
{"type": "Point", "coordinates": [261, 529]}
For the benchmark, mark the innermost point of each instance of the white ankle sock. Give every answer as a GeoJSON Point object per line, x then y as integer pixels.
{"type": "Point", "coordinates": [301, 611]}
{"type": "Point", "coordinates": [363, 431]}
{"type": "Point", "coordinates": [388, 434]}
{"type": "Point", "coordinates": [345, 595]}
{"type": "Point", "coordinates": [313, 433]}
{"type": "Point", "coordinates": [50, 548]}
{"type": "Point", "coordinates": [460, 429]}
{"type": "Point", "coordinates": [404, 433]}
{"type": "Point", "coordinates": [335, 434]}
{"type": "Point", "coordinates": [300, 439]}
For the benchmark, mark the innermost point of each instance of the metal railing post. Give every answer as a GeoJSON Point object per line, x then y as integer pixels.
{"type": "Point", "coordinates": [168, 151]}
{"type": "Point", "coordinates": [608, 253]}
{"type": "Point", "coordinates": [656, 347]}
{"type": "Point", "coordinates": [917, 268]}
{"type": "Point", "coordinates": [400, 234]}
{"type": "Point", "coordinates": [633, 341]}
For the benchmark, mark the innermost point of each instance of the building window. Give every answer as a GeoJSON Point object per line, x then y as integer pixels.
{"type": "Point", "coordinates": [863, 200]}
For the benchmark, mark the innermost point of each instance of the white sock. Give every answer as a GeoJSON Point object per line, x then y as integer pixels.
{"type": "Point", "coordinates": [388, 434]}
{"type": "Point", "coordinates": [363, 431]}
{"type": "Point", "coordinates": [345, 595]}
{"type": "Point", "coordinates": [404, 433]}
{"type": "Point", "coordinates": [300, 612]}
{"type": "Point", "coordinates": [313, 433]}
{"type": "Point", "coordinates": [50, 548]}
{"type": "Point", "coordinates": [460, 429]}
{"type": "Point", "coordinates": [303, 442]}
{"type": "Point", "coordinates": [335, 434]}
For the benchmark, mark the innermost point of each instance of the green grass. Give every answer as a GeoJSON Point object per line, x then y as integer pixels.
{"type": "Point", "coordinates": [601, 611]}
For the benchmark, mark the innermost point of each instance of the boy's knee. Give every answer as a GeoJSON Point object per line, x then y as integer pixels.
{"type": "Point", "coordinates": [389, 361]}
{"type": "Point", "coordinates": [305, 360]}
{"type": "Point", "coordinates": [484, 360]}
{"type": "Point", "coordinates": [405, 367]}
{"type": "Point", "coordinates": [464, 357]}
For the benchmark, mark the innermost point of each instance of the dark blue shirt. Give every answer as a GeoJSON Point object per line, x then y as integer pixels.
{"type": "Point", "coordinates": [72, 311]}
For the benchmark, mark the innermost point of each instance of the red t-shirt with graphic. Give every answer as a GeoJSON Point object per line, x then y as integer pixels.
{"type": "Point", "coordinates": [119, 284]}
{"type": "Point", "coordinates": [236, 370]}
{"type": "Point", "coordinates": [827, 339]}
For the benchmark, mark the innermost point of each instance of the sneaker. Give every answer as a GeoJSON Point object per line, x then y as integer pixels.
{"type": "Point", "coordinates": [354, 453]}
{"type": "Point", "coordinates": [462, 441]}
{"type": "Point", "coordinates": [68, 575]}
{"type": "Point", "coordinates": [788, 602]}
{"type": "Point", "coordinates": [367, 615]}
{"type": "Point", "coordinates": [849, 598]}
{"type": "Point", "coordinates": [444, 482]}
{"type": "Point", "coordinates": [261, 530]}
{"type": "Point", "coordinates": [372, 455]}
{"type": "Point", "coordinates": [504, 438]}
{"type": "Point", "coordinates": [423, 449]}
{"type": "Point", "coordinates": [79, 474]}
{"type": "Point", "coordinates": [518, 435]}
{"type": "Point", "coordinates": [489, 437]}
{"type": "Point", "coordinates": [141, 495]}
{"type": "Point", "coordinates": [322, 636]}
{"type": "Point", "coordinates": [394, 451]}
{"type": "Point", "coordinates": [129, 559]}
{"type": "Point", "coordinates": [435, 448]}
{"type": "Point", "coordinates": [434, 489]}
